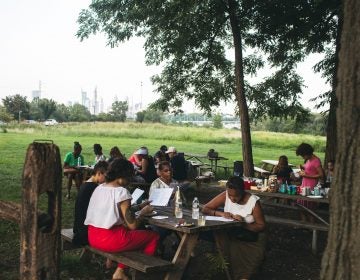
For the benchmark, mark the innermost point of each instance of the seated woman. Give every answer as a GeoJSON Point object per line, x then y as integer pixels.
{"type": "Point", "coordinates": [146, 171]}
{"type": "Point", "coordinates": [165, 179]}
{"type": "Point", "coordinates": [82, 202]}
{"type": "Point", "coordinates": [247, 243]}
{"type": "Point", "coordinates": [99, 156]}
{"type": "Point", "coordinates": [283, 171]}
{"type": "Point", "coordinates": [73, 159]}
{"type": "Point", "coordinates": [112, 226]}
{"type": "Point", "coordinates": [115, 153]}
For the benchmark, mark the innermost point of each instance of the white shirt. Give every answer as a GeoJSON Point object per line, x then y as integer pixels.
{"type": "Point", "coordinates": [103, 210]}
{"type": "Point", "coordinates": [242, 210]}
{"type": "Point", "coordinates": [159, 184]}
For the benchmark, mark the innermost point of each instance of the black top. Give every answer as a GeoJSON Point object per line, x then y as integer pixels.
{"type": "Point", "coordinates": [178, 165]}
{"type": "Point", "coordinates": [161, 156]}
{"type": "Point", "coordinates": [150, 174]}
{"type": "Point", "coordinates": [284, 174]}
{"type": "Point", "coordinates": [81, 206]}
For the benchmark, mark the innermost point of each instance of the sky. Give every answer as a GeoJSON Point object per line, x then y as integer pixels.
{"type": "Point", "coordinates": [38, 43]}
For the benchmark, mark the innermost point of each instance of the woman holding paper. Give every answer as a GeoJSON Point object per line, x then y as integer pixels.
{"type": "Point", "coordinates": [112, 226]}
{"type": "Point", "coordinates": [248, 241]}
{"type": "Point", "coordinates": [165, 179]}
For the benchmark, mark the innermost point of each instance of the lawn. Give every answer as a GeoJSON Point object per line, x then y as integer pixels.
{"type": "Point", "coordinates": [127, 136]}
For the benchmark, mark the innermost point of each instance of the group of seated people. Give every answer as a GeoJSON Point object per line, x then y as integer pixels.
{"type": "Point", "coordinates": [105, 218]}
{"type": "Point", "coordinates": [145, 165]}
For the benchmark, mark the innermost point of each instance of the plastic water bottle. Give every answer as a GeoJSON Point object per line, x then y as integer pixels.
{"type": "Point", "coordinates": [195, 208]}
{"type": "Point", "coordinates": [79, 161]}
{"type": "Point", "coordinates": [178, 204]}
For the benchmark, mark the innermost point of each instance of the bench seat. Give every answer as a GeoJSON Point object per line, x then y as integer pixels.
{"type": "Point", "coordinates": [296, 224]}
{"type": "Point", "coordinates": [134, 259]}
{"type": "Point", "coordinates": [315, 227]}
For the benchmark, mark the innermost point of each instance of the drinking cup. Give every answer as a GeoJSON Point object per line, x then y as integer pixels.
{"type": "Point", "coordinates": [201, 220]}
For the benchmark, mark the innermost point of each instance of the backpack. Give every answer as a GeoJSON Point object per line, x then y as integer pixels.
{"type": "Point", "coordinates": [191, 172]}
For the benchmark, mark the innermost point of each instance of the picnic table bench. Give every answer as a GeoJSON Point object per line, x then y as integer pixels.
{"type": "Point", "coordinates": [136, 260]}
{"type": "Point", "coordinates": [321, 225]}
{"type": "Point", "coordinates": [212, 161]}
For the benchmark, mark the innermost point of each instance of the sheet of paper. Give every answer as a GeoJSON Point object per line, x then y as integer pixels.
{"type": "Point", "coordinates": [215, 218]}
{"type": "Point", "coordinates": [160, 197]}
{"type": "Point", "coordinates": [136, 195]}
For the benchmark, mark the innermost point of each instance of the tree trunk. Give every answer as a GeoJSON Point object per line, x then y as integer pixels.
{"type": "Point", "coordinates": [240, 90]}
{"type": "Point", "coordinates": [331, 143]}
{"type": "Point", "coordinates": [342, 255]}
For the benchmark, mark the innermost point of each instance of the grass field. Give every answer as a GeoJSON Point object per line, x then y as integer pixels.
{"type": "Point", "coordinates": [128, 137]}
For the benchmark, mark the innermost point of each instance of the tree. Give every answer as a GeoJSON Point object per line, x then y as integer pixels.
{"type": "Point", "coordinates": [4, 115]}
{"type": "Point", "coordinates": [217, 121]}
{"type": "Point", "coordinates": [294, 29]}
{"type": "Point", "coordinates": [118, 110]}
{"type": "Point", "coordinates": [79, 113]}
{"type": "Point", "coordinates": [47, 107]}
{"type": "Point", "coordinates": [140, 116]}
{"type": "Point", "coordinates": [62, 113]}
{"type": "Point", "coordinates": [341, 258]}
{"type": "Point", "coordinates": [154, 116]}
{"type": "Point", "coordinates": [191, 39]}
{"type": "Point", "coordinates": [17, 106]}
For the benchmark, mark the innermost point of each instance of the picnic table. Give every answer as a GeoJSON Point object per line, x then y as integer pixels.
{"type": "Point", "coordinates": [213, 161]}
{"type": "Point", "coordinates": [274, 199]}
{"type": "Point", "coordinates": [268, 164]}
{"type": "Point", "coordinates": [189, 237]}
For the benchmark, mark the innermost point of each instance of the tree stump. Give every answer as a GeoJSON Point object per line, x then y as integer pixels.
{"type": "Point", "coordinates": [40, 233]}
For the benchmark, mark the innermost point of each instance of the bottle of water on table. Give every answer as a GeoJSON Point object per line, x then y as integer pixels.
{"type": "Point", "coordinates": [178, 204]}
{"type": "Point", "coordinates": [195, 208]}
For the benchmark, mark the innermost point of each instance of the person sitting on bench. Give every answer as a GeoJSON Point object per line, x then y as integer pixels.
{"type": "Point", "coordinates": [112, 225]}
{"type": "Point", "coordinates": [82, 202]}
{"type": "Point", "coordinates": [71, 161]}
{"type": "Point", "coordinates": [247, 242]}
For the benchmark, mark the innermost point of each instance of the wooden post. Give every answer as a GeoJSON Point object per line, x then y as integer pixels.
{"type": "Point", "coordinates": [40, 233]}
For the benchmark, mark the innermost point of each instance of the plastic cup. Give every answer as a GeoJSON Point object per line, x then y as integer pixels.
{"type": "Point", "coordinates": [201, 220]}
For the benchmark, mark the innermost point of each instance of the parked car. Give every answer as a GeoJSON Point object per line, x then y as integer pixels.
{"type": "Point", "coordinates": [50, 122]}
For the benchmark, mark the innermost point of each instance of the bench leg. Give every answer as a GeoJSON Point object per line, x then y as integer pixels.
{"type": "Point", "coordinates": [314, 242]}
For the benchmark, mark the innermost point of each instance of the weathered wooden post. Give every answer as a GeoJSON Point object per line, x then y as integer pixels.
{"type": "Point", "coordinates": [40, 230]}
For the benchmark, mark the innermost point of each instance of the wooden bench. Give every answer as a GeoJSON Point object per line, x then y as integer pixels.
{"type": "Point", "coordinates": [315, 227]}
{"type": "Point", "coordinates": [133, 259]}
{"type": "Point", "coordinates": [226, 168]}
{"type": "Point", "coordinates": [261, 172]}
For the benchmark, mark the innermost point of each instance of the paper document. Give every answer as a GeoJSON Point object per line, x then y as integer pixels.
{"type": "Point", "coordinates": [215, 218]}
{"type": "Point", "coordinates": [160, 197]}
{"type": "Point", "coordinates": [136, 195]}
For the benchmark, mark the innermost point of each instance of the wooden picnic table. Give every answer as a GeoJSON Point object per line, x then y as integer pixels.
{"type": "Point", "coordinates": [269, 162]}
{"type": "Point", "coordinates": [202, 157]}
{"type": "Point", "coordinates": [189, 237]}
{"type": "Point", "coordinates": [274, 199]}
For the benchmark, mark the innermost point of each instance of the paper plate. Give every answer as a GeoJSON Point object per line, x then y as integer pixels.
{"type": "Point", "coordinates": [147, 215]}
{"type": "Point", "coordinates": [314, 196]}
{"type": "Point", "coordinates": [160, 217]}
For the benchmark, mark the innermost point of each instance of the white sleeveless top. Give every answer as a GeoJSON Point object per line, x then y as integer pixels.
{"type": "Point", "coordinates": [242, 210]}
{"type": "Point", "coordinates": [103, 210]}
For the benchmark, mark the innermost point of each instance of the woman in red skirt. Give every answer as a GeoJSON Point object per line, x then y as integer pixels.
{"type": "Point", "coordinates": [112, 225]}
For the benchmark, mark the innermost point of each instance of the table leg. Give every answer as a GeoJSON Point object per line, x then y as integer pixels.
{"type": "Point", "coordinates": [222, 245]}
{"type": "Point", "coordinates": [182, 256]}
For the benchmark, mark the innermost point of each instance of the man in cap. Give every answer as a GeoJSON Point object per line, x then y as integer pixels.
{"type": "Point", "coordinates": [178, 164]}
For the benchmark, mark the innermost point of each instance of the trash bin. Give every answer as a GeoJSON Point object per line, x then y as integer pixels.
{"type": "Point", "coordinates": [238, 168]}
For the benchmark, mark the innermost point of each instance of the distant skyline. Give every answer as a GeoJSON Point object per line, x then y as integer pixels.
{"type": "Point", "coordinates": [38, 43]}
